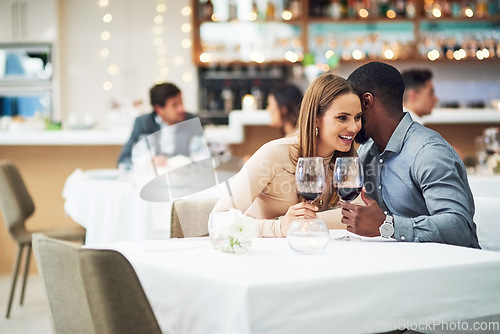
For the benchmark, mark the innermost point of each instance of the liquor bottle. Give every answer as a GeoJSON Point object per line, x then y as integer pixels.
{"type": "Point", "coordinates": [343, 8]}
{"type": "Point", "coordinates": [208, 10]}
{"type": "Point", "coordinates": [295, 8]}
{"type": "Point", "coordinates": [334, 9]}
{"type": "Point", "coordinates": [227, 97]}
{"type": "Point", "coordinates": [482, 8]}
{"type": "Point", "coordinates": [410, 9]}
{"type": "Point", "coordinates": [233, 11]}
{"type": "Point", "coordinates": [400, 8]}
{"type": "Point", "coordinates": [270, 10]}
{"type": "Point", "coordinates": [383, 7]}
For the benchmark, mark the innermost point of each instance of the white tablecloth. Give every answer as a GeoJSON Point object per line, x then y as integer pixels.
{"type": "Point", "coordinates": [112, 210]}
{"type": "Point", "coordinates": [354, 287]}
{"type": "Point", "coordinates": [486, 191]}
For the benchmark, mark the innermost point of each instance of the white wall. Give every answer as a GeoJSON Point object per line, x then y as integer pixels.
{"type": "Point", "coordinates": [131, 49]}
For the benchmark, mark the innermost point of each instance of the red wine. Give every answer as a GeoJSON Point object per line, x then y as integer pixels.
{"type": "Point", "coordinates": [310, 197]}
{"type": "Point", "coordinates": [348, 194]}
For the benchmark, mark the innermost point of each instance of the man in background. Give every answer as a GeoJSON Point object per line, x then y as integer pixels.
{"type": "Point", "coordinates": [168, 109]}
{"type": "Point", "coordinates": [419, 97]}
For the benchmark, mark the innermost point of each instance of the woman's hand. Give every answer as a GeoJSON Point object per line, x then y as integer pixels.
{"type": "Point", "coordinates": [301, 210]}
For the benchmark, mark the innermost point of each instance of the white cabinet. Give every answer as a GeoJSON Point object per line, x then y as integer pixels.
{"type": "Point", "coordinates": [28, 20]}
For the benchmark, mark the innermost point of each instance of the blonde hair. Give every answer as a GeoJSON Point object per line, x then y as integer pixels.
{"type": "Point", "coordinates": [317, 99]}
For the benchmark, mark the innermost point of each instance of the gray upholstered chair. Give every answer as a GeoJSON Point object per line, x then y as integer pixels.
{"type": "Point", "coordinates": [17, 206]}
{"type": "Point", "coordinates": [58, 264]}
{"type": "Point", "coordinates": [117, 301]}
{"type": "Point", "coordinates": [190, 217]}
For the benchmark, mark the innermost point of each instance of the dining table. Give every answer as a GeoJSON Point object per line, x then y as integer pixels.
{"type": "Point", "coordinates": [370, 285]}
{"type": "Point", "coordinates": [108, 203]}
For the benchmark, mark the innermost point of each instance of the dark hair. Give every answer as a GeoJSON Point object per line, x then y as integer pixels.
{"type": "Point", "coordinates": [383, 81]}
{"type": "Point", "coordinates": [290, 97]}
{"type": "Point", "coordinates": [160, 93]}
{"type": "Point", "coordinates": [416, 78]}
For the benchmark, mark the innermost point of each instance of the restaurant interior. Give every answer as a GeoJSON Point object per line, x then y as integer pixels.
{"type": "Point", "coordinates": [74, 75]}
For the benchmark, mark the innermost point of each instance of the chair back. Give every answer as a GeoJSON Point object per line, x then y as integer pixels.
{"type": "Point", "coordinates": [15, 201]}
{"type": "Point", "coordinates": [58, 265]}
{"type": "Point", "coordinates": [117, 301]}
{"type": "Point", "coordinates": [190, 217]}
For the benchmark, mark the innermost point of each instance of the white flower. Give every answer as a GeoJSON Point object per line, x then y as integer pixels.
{"type": "Point", "coordinates": [233, 231]}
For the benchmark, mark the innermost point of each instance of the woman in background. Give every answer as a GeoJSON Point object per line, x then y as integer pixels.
{"type": "Point", "coordinates": [283, 103]}
{"type": "Point", "coordinates": [264, 189]}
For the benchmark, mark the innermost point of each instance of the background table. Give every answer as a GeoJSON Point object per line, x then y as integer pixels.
{"type": "Point", "coordinates": [354, 287]}
{"type": "Point", "coordinates": [486, 191]}
{"type": "Point", "coordinates": [111, 209]}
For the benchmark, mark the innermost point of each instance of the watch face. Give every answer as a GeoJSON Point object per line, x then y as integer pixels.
{"type": "Point", "coordinates": [386, 230]}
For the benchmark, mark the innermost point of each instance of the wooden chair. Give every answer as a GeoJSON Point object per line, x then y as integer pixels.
{"type": "Point", "coordinates": [190, 217]}
{"type": "Point", "coordinates": [17, 206]}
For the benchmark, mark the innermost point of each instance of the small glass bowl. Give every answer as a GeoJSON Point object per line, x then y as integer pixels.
{"type": "Point", "coordinates": [308, 236]}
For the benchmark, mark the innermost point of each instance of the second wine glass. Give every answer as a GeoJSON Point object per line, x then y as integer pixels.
{"type": "Point", "coordinates": [348, 177]}
{"type": "Point", "coordinates": [310, 178]}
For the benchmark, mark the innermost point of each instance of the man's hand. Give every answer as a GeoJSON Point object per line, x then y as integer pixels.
{"type": "Point", "coordinates": [362, 220]}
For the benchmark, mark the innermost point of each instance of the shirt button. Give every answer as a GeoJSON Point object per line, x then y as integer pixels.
{"type": "Point", "coordinates": [380, 187]}
{"type": "Point", "coordinates": [381, 160]}
{"type": "Point", "coordinates": [403, 238]}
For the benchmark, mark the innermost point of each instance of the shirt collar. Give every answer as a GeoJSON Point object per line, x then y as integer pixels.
{"type": "Point", "coordinates": [395, 143]}
{"type": "Point", "coordinates": [160, 122]}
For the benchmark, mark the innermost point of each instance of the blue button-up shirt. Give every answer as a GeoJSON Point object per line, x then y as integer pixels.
{"type": "Point", "coordinates": [422, 182]}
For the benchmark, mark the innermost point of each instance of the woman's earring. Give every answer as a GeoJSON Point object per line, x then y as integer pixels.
{"type": "Point", "coordinates": [317, 131]}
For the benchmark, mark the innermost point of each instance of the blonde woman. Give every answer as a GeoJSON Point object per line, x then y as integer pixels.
{"type": "Point", "coordinates": [329, 119]}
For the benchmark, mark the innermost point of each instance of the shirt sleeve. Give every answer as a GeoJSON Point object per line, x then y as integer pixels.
{"type": "Point", "coordinates": [245, 186]}
{"type": "Point", "coordinates": [447, 196]}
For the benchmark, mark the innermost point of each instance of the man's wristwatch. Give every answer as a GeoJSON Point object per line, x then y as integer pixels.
{"type": "Point", "coordinates": [387, 227]}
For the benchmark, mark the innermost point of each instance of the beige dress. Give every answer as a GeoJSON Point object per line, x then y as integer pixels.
{"type": "Point", "coordinates": [264, 189]}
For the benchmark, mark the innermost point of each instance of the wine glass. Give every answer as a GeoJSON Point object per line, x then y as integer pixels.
{"type": "Point", "coordinates": [348, 179]}
{"type": "Point", "coordinates": [310, 178]}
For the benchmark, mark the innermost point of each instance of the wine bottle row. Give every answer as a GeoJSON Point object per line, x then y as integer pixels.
{"type": "Point", "coordinates": [224, 89]}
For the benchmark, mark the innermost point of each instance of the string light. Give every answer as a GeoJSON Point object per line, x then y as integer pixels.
{"type": "Point", "coordinates": [104, 52]}
{"type": "Point", "coordinates": [291, 56]}
{"type": "Point", "coordinates": [186, 11]}
{"type": "Point", "coordinates": [107, 85]}
{"type": "Point", "coordinates": [107, 18]}
{"type": "Point", "coordinates": [186, 27]}
{"type": "Point", "coordinates": [287, 15]}
{"type": "Point", "coordinates": [105, 35]}
{"type": "Point", "coordinates": [112, 69]}
{"type": "Point", "coordinates": [205, 57]}
{"type": "Point", "coordinates": [158, 19]}
{"type": "Point", "coordinates": [160, 8]}
{"type": "Point", "coordinates": [363, 13]}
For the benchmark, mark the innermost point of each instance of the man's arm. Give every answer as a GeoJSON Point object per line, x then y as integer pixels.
{"type": "Point", "coordinates": [441, 178]}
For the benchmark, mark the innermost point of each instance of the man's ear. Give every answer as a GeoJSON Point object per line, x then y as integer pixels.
{"type": "Point", "coordinates": [366, 100]}
{"type": "Point", "coordinates": [412, 95]}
